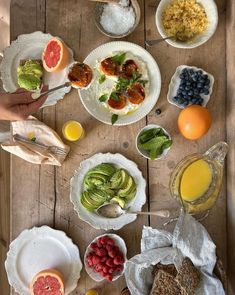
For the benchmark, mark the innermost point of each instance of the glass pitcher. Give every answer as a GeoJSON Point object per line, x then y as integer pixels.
{"type": "Point", "coordinates": [196, 181]}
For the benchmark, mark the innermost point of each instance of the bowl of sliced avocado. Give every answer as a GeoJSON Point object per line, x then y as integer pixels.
{"type": "Point", "coordinates": [104, 179]}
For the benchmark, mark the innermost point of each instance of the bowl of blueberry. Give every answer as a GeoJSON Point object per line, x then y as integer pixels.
{"type": "Point", "coordinates": [190, 85]}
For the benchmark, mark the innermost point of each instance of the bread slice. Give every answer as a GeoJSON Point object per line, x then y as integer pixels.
{"type": "Point", "coordinates": [188, 277]}
{"type": "Point", "coordinates": [165, 284]}
{"type": "Point", "coordinates": [169, 268]}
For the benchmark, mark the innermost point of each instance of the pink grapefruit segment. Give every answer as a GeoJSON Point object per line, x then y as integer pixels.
{"type": "Point", "coordinates": [47, 282]}
{"type": "Point", "coordinates": [55, 55]}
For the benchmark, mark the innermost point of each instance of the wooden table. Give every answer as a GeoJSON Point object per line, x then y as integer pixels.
{"type": "Point", "coordinates": [40, 195]}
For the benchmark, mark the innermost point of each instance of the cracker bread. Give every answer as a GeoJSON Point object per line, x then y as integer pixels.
{"type": "Point", "coordinates": [170, 268]}
{"type": "Point", "coordinates": [188, 277]}
{"type": "Point", "coordinates": [165, 284]}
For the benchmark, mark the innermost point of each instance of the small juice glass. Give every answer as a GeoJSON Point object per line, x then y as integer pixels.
{"type": "Point", "coordinates": [73, 130]}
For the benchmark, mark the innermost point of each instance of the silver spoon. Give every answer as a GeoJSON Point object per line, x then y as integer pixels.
{"type": "Point", "coordinates": [154, 42]}
{"type": "Point", "coordinates": [38, 94]}
{"type": "Point", "coordinates": [114, 210]}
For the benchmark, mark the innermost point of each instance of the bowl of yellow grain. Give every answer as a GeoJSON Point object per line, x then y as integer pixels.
{"type": "Point", "coordinates": [189, 23]}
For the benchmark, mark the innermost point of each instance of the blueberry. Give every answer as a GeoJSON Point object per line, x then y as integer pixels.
{"type": "Point", "coordinates": [205, 77]}
{"type": "Point", "coordinates": [194, 85]}
{"type": "Point", "coordinates": [184, 92]}
{"type": "Point", "coordinates": [185, 103]}
{"type": "Point", "coordinates": [188, 83]}
{"type": "Point", "coordinates": [180, 101]}
{"type": "Point", "coordinates": [206, 86]}
{"type": "Point", "coordinates": [191, 71]}
{"type": "Point", "coordinates": [185, 70]}
{"type": "Point", "coordinates": [181, 87]}
{"type": "Point", "coordinates": [199, 85]}
{"type": "Point", "coordinates": [182, 76]}
{"type": "Point", "coordinates": [207, 82]}
{"type": "Point", "coordinates": [195, 91]}
{"type": "Point", "coordinates": [158, 111]}
{"type": "Point", "coordinates": [186, 78]}
{"type": "Point", "coordinates": [190, 93]}
{"type": "Point", "coordinates": [175, 98]}
{"type": "Point", "coordinates": [201, 80]}
{"type": "Point", "coordinates": [187, 88]}
{"type": "Point", "coordinates": [185, 97]}
{"type": "Point", "coordinates": [193, 100]}
{"type": "Point", "coordinates": [199, 72]}
{"type": "Point", "coordinates": [194, 78]}
{"type": "Point", "coordinates": [201, 90]}
{"type": "Point", "coordinates": [201, 101]}
{"type": "Point", "coordinates": [206, 91]}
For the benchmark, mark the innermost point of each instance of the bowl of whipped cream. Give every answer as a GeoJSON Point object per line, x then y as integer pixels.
{"type": "Point", "coordinates": [117, 20]}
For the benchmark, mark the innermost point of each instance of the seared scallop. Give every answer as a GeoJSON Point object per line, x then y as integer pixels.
{"type": "Point", "coordinates": [136, 93]}
{"type": "Point", "coordinates": [109, 67]}
{"type": "Point", "coordinates": [128, 68]}
{"type": "Point", "coordinates": [80, 75]}
{"type": "Point", "coordinates": [117, 101]}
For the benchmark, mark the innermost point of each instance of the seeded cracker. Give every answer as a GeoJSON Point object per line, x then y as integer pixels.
{"type": "Point", "coordinates": [170, 268]}
{"type": "Point", "coordinates": [165, 284]}
{"type": "Point", "coordinates": [188, 277]}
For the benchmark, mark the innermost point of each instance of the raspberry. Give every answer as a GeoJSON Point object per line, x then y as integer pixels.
{"type": "Point", "coordinates": [104, 258]}
{"type": "Point", "coordinates": [118, 260]}
{"type": "Point", "coordinates": [109, 277]}
{"type": "Point", "coordinates": [106, 269]}
{"type": "Point", "coordinates": [109, 247]}
{"type": "Point", "coordinates": [109, 262]}
{"type": "Point", "coordinates": [95, 259]}
{"type": "Point", "coordinates": [111, 270]}
{"type": "Point", "coordinates": [101, 252]}
{"type": "Point", "coordinates": [110, 241]}
{"type": "Point", "coordinates": [93, 246]}
{"type": "Point", "coordinates": [112, 253]}
{"type": "Point", "coordinates": [119, 268]}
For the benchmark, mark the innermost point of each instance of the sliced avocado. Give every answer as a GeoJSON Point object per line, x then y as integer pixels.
{"type": "Point", "coordinates": [129, 187]}
{"type": "Point", "coordinates": [105, 169]}
{"type": "Point", "coordinates": [125, 177]}
{"type": "Point", "coordinates": [85, 202]}
{"type": "Point", "coordinates": [116, 179]}
{"type": "Point", "coordinates": [130, 195]}
{"type": "Point", "coordinates": [121, 201]}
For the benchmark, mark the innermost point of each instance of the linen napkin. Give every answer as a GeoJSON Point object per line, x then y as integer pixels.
{"type": "Point", "coordinates": [37, 148]}
{"type": "Point", "coordinates": [189, 239]}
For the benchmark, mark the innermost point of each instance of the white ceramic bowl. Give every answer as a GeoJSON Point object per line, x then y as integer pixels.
{"type": "Point", "coordinates": [175, 82]}
{"type": "Point", "coordinates": [118, 242]}
{"type": "Point", "coordinates": [212, 14]}
{"type": "Point", "coordinates": [134, 205]}
{"type": "Point", "coordinates": [144, 153]}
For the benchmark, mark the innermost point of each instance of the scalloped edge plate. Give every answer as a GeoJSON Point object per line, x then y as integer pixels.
{"type": "Point", "coordinates": [175, 82]}
{"type": "Point", "coordinates": [76, 188]}
{"type": "Point", "coordinates": [99, 112]}
{"type": "Point", "coordinates": [21, 268]}
{"type": "Point", "coordinates": [31, 46]}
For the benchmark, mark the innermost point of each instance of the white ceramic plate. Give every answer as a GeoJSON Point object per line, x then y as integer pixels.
{"type": "Point", "coordinates": [42, 248]}
{"type": "Point", "coordinates": [96, 109]}
{"type": "Point", "coordinates": [76, 190]}
{"type": "Point", "coordinates": [30, 46]}
{"type": "Point", "coordinates": [118, 242]}
{"type": "Point", "coordinates": [144, 153]}
{"type": "Point", "coordinates": [175, 83]}
{"type": "Point", "coordinates": [212, 14]}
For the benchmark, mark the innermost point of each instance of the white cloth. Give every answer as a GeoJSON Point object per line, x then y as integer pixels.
{"type": "Point", "coordinates": [189, 239]}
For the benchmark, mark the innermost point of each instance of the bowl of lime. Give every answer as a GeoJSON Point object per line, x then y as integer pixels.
{"type": "Point", "coordinates": [153, 142]}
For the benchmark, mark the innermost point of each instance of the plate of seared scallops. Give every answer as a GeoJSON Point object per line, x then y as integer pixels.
{"type": "Point", "coordinates": [34, 60]}
{"type": "Point", "coordinates": [126, 83]}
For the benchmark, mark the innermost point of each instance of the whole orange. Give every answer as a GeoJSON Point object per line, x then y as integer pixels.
{"type": "Point", "coordinates": [194, 122]}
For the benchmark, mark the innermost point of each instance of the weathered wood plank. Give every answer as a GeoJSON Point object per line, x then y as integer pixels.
{"type": "Point", "coordinates": [78, 31]}
{"type": "Point", "coordinates": [211, 57]}
{"type": "Point", "coordinates": [230, 115]}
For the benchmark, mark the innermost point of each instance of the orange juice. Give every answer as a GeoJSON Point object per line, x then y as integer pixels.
{"type": "Point", "coordinates": [73, 130]}
{"type": "Point", "coordinates": [195, 181]}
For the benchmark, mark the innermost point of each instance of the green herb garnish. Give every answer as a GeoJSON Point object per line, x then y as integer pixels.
{"type": "Point", "coordinates": [114, 96]}
{"type": "Point", "coordinates": [103, 98]}
{"type": "Point", "coordinates": [153, 142]}
{"type": "Point", "coordinates": [114, 118]}
{"type": "Point", "coordinates": [123, 83]}
{"type": "Point", "coordinates": [119, 58]}
{"type": "Point", "coordinates": [102, 79]}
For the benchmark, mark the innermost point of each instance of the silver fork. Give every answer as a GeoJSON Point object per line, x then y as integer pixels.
{"type": "Point", "coordinates": [51, 149]}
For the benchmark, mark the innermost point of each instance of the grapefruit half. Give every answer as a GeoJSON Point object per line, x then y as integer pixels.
{"type": "Point", "coordinates": [55, 55]}
{"type": "Point", "coordinates": [47, 282]}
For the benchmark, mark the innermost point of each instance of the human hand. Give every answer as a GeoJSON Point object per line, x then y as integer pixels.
{"type": "Point", "coordinates": [19, 105]}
